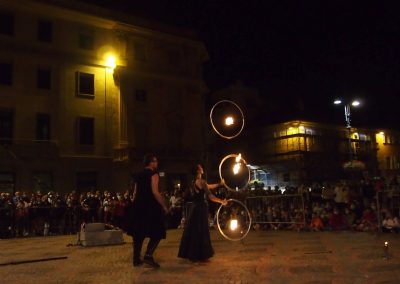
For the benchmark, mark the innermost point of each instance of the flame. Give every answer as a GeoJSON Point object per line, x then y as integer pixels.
{"type": "Point", "coordinates": [233, 224]}
{"type": "Point", "coordinates": [236, 167]}
{"type": "Point", "coordinates": [229, 121]}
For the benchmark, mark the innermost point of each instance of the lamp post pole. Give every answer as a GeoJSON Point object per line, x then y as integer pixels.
{"type": "Point", "coordinates": [347, 116]}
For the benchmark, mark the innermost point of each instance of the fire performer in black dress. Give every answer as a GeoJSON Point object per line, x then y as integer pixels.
{"type": "Point", "coordinates": [147, 214]}
{"type": "Point", "coordinates": [196, 243]}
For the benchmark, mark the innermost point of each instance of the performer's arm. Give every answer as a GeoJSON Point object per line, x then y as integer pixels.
{"type": "Point", "coordinates": [156, 193]}
{"type": "Point", "coordinates": [212, 197]}
{"type": "Point", "coordinates": [134, 188]}
{"type": "Point", "coordinates": [215, 185]}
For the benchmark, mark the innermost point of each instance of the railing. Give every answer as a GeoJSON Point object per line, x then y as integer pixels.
{"type": "Point", "coordinates": [42, 221]}
{"type": "Point", "coordinates": [30, 148]}
{"type": "Point", "coordinates": [388, 202]}
{"type": "Point", "coordinates": [262, 209]}
{"type": "Point", "coordinates": [121, 154]}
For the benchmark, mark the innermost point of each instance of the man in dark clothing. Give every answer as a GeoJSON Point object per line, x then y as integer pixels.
{"type": "Point", "coordinates": [147, 213]}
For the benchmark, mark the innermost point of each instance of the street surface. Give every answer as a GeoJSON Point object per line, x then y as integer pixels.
{"type": "Point", "coordinates": [265, 257]}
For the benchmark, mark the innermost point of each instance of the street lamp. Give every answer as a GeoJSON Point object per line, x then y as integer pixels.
{"type": "Point", "coordinates": [347, 116]}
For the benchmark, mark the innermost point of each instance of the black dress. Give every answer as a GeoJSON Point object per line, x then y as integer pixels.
{"type": "Point", "coordinates": [146, 215]}
{"type": "Point", "coordinates": [196, 242]}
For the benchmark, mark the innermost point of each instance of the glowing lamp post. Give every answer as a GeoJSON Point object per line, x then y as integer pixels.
{"type": "Point", "coordinates": [347, 116]}
{"type": "Point", "coordinates": [111, 62]}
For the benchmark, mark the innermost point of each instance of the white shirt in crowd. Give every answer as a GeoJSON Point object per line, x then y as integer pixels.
{"type": "Point", "coordinates": [173, 200]}
{"type": "Point", "coordinates": [391, 223]}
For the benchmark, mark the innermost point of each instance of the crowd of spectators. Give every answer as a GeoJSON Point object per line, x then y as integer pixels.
{"type": "Point", "coordinates": [336, 206]}
{"type": "Point", "coordinates": [52, 213]}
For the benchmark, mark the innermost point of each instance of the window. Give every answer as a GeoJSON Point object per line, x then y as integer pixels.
{"type": "Point", "coordinates": [6, 23]}
{"type": "Point", "coordinates": [174, 58]}
{"type": "Point", "coordinates": [85, 84]}
{"type": "Point", "coordinates": [6, 126]}
{"type": "Point", "coordinates": [42, 127]}
{"type": "Point", "coordinates": [7, 182]}
{"type": "Point", "coordinates": [45, 31]}
{"type": "Point", "coordinates": [43, 79]}
{"type": "Point", "coordinates": [86, 39]}
{"type": "Point", "coordinates": [140, 52]}
{"type": "Point", "coordinates": [86, 181]}
{"type": "Point", "coordinates": [86, 131]}
{"type": "Point", "coordinates": [141, 95]}
{"type": "Point", "coordinates": [42, 181]}
{"type": "Point", "coordinates": [6, 70]}
{"type": "Point", "coordinates": [388, 163]}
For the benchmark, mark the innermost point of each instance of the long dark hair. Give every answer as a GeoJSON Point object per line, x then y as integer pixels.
{"type": "Point", "coordinates": [148, 158]}
{"type": "Point", "coordinates": [195, 168]}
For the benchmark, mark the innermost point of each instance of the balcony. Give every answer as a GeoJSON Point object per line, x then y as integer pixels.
{"type": "Point", "coordinates": [166, 154]}
{"type": "Point", "coordinates": [121, 154]}
{"type": "Point", "coordinates": [29, 149]}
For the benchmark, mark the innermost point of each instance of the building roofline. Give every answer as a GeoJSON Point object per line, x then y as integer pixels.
{"type": "Point", "coordinates": [298, 122]}
{"type": "Point", "coordinates": [120, 16]}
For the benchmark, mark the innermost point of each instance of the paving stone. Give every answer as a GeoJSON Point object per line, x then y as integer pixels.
{"type": "Point", "coordinates": [265, 257]}
{"type": "Point", "coordinates": [385, 268]}
{"type": "Point", "coordinates": [311, 269]}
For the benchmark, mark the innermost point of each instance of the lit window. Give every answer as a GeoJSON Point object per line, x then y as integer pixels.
{"type": "Point", "coordinates": [292, 131]}
{"type": "Point", "coordinates": [363, 137]}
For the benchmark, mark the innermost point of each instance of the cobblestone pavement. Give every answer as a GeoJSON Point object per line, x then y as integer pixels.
{"type": "Point", "coordinates": [265, 257]}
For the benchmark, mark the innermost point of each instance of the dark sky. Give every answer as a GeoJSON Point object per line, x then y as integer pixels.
{"type": "Point", "coordinates": [299, 54]}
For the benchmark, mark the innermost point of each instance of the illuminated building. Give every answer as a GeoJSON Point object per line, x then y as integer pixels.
{"type": "Point", "coordinates": [86, 92]}
{"type": "Point", "coordinates": [294, 152]}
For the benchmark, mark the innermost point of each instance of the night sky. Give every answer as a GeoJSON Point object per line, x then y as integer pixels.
{"type": "Point", "coordinates": [299, 54]}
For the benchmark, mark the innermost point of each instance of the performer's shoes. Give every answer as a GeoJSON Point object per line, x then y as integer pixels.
{"type": "Point", "coordinates": [137, 263]}
{"type": "Point", "coordinates": [150, 261]}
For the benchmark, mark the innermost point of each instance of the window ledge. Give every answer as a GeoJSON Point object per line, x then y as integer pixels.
{"type": "Point", "coordinates": [85, 96]}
